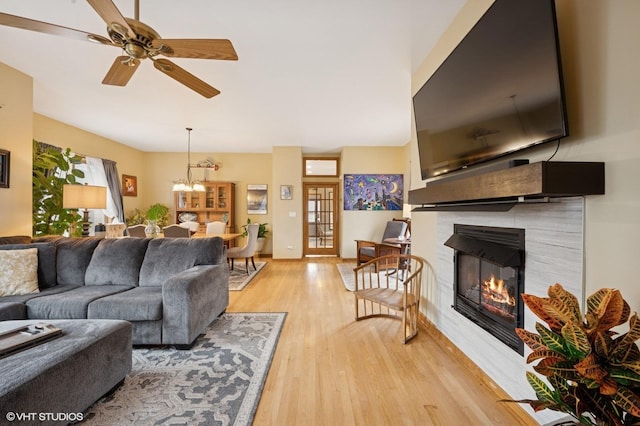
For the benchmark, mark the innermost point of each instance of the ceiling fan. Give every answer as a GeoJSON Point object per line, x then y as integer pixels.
{"type": "Point", "coordinates": [138, 41]}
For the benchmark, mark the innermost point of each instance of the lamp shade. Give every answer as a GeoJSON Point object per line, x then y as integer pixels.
{"type": "Point", "coordinates": [84, 197]}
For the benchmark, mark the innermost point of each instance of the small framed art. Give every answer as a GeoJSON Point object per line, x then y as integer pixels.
{"type": "Point", "coordinates": [286, 192]}
{"type": "Point", "coordinates": [129, 186]}
{"type": "Point", "coordinates": [4, 168]}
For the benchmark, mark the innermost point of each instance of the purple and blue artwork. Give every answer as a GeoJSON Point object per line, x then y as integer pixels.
{"type": "Point", "coordinates": [373, 192]}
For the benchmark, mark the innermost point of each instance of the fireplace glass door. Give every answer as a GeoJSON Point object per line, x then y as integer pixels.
{"type": "Point", "coordinates": [491, 288]}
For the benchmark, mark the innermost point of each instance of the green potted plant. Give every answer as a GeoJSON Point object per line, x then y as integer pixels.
{"type": "Point", "coordinates": [592, 372]}
{"type": "Point", "coordinates": [262, 233]}
{"type": "Point", "coordinates": [52, 169]}
{"type": "Point", "coordinates": [136, 217]}
{"type": "Point", "coordinates": [157, 216]}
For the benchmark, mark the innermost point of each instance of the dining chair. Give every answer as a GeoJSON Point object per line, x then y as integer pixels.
{"type": "Point", "coordinates": [249, 250]}
{"type": "Point", "coordinates": [216, 228]}
{"type": "Point", "coordinates": [136, 231]}
{"type": "Point", "coordinates": [176, 231]}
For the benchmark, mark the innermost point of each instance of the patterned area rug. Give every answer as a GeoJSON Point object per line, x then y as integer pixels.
{"type": "Point", "coordinates": [238, 278]}
{"type": "Point", "coordinates": [218, 382]}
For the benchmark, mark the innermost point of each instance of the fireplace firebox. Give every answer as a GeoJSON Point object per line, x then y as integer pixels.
{"type": "Point", "coordinates": [489, 279]}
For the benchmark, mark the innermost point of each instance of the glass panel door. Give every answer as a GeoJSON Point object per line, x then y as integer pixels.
{"type": "Point", "coordinates": [320, 224]}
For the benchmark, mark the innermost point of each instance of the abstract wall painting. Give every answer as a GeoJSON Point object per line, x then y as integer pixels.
{"type": "Point", "coordinates": [373, 192]}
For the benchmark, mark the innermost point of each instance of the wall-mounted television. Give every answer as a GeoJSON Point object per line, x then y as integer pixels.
{"type": "Point", "coordinates": [498, 92]}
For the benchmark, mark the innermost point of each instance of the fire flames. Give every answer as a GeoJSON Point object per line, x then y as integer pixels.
{"type": "Point", "coordinates": [495, 294]}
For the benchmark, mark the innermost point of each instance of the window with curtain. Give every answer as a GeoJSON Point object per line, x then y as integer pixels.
{"type": "Point", "coordinates": [100, 172]}
{"type": "Point", "coordinates": [96, 172]}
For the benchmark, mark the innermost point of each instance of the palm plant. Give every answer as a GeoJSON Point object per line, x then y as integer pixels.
{"type": "Point", "coordinates": [593, 373]}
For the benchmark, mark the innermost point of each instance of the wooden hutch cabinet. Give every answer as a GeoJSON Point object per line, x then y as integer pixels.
{"type": "Point", "coordinates": [217, 202]}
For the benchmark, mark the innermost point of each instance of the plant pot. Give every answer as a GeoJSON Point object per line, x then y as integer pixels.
{"type": "Point", "coordinates": [260, 244]}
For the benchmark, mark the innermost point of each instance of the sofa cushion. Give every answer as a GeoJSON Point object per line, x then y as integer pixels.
{"type": "Point", "coordinates": [18, 272]}
{"type": "Point", "coordinates": [116, 261]}
{"type": "Point", "coordinates": [22, 298]}
{"type": "Point", "coordinates": [137, 304]}
{"type": "Point", "coordinates": [46, 261]}
{"type": "Point", "coordinates": [169, 256]}
{"type": "Point", "coordinates": [73, 257]}
{"type": "Point", "coordinates": [71, 304]}
{"type": "Point", "coordinates": [12, 311]}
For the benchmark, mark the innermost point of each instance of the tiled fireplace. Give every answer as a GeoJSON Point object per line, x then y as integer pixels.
{"type": "Point", "coordinates": [552, 253]}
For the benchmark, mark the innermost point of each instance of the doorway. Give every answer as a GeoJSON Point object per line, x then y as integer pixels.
{"type": "Point", "coordinates": [321, 234]}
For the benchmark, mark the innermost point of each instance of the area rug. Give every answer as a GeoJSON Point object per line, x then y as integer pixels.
{"type": "Point", "coordinates": [348, 277]}
{"type": "Point", "coordinates": [218, 382]}
{"type": "Point", "coordinates": [238, 278]}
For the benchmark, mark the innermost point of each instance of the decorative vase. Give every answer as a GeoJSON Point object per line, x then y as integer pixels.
{"type": "Point", "coordinates": [152, 229]}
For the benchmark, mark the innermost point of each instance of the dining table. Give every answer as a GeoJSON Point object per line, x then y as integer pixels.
{"type": "Point", "coordinates": [227, 237]}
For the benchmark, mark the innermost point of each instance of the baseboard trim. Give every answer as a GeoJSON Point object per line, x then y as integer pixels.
{"type": "Point", "coordinates": [442, 340]}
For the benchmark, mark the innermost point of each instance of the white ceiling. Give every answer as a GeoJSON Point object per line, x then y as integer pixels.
{"type": "Point", "coordinates": [320, 75]}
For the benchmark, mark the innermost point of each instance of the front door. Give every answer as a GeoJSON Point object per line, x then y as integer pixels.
{"type": "Point", "coordinates": [321, 219]}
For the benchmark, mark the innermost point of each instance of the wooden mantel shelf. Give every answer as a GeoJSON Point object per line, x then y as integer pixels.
{"type": "Point", "coordinates": [530, 181]}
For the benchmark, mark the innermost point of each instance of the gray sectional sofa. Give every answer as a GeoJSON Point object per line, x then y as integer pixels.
{"type": "Point", "coordinates": [169, 289]}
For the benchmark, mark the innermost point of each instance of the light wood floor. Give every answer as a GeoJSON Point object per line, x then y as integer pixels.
{"type": "Point", "coordinates": [330, 370]}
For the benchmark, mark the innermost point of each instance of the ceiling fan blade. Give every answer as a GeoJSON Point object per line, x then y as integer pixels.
{"type": "Point", "coordinates": [185, 77]}
{"type": "Point", "coordinates": [121, 71]}
{"type": "Point", "coordinates": [197, 48]}
{"type": "Point", "coordinates": [44, 27]}
{"type": "Point", "coordinates": [112, 16]}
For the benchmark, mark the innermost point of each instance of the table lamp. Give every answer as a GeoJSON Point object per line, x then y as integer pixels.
{"type": "Point", "coordinates": [84, 197]}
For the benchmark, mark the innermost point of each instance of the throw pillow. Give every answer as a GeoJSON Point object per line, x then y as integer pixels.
{"type": "Point", "coordinates": [18, 272]}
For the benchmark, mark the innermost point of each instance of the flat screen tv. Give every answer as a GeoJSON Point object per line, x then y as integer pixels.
{"type": "Point", "coordinates": [498, 92]}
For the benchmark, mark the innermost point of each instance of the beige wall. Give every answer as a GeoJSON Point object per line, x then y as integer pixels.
{"type": "Point", "coordinates": [287, 214]}
{"type": "Point", "coordinates": [601, 66]}
{"type": "Point", "coordinates": [129, 161]}
{"type": "Point", "coordinates": [364, 225]}
{"type": "Point", "coordinates": [16, 135]}
{"type": "Point", "coordinates": [241, 169]}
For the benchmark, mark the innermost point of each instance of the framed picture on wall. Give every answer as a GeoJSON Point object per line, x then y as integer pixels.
{"type": "Point", "coordinates": [4, 168]}
{"type": "Point", "coordinates": [373, 192]}
{"type": "Point", "coordinates": [257, 199]}
{"type": "Point", "coordinates": [129, 186]}
{"type": "Point", "coordinates": [286, 192]}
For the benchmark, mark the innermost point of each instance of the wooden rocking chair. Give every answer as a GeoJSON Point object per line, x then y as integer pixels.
{"type": "Point", "coordinates": [390, 286]}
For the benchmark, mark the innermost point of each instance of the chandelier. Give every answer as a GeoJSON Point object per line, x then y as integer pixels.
{"type": "Point", "coordinates": [188, 185]}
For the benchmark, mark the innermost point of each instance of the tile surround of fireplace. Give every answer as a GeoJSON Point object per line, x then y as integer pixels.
{"type": "Point", "coordinates": [554, 253]}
